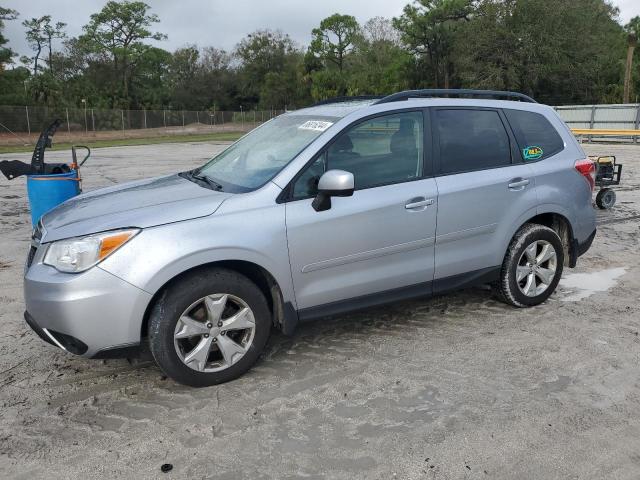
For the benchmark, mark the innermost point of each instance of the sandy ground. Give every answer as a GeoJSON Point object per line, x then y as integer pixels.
{"type": "Point", "coordinates": [456, 387]}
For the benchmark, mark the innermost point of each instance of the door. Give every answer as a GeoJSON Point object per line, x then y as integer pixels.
{"type": "Point", "coordinates": [484, 190]}
{"type": "Point", "coordinates": [381, 239]}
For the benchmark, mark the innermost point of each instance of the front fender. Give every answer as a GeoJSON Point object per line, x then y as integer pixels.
{"type": "Point", "coordinates": [159, 254]}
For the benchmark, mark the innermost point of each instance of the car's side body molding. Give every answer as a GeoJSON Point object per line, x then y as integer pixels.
{"type": "Point", "coordinates": [425, 289]}
{"type": "Point", "coordinates": [370, 254]}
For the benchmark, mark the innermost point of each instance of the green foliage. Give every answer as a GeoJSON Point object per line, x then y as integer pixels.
{"type": "Point", "coordinates": [633, 26]}
{"type": "Point", "coordinates": [40, 33]}
{"type": "Point", "coordinates": [334, 39]}
{"type": "Point", "coordinates": [328, 84]}
{"type": "Point", "coordinates": [45, 88]}
{"type": "Point", "coordinates": [267, 57]}
{"type": "Point", "coordinates": [559, 51]}
{"type": "Point", "coordinates": [430, 29]}
{"type": "Point", "coordinates": [117, 33]}
{"type": "Point", "coordinates": [35, 37]}
{"type": "Point", "coordinates": [285, 88]}
{"type": "Point", "coordinates": [380, 65]}
{"type": "Point", "coordinates": [558, 55]}
{"type": "Point", "coordinates": [5, 53]}
{"type": "Point", "coordinates": [13, 86]}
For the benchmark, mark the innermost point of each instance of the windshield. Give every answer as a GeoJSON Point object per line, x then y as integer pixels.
{"type": "Point", "coordinates": [260, 155]}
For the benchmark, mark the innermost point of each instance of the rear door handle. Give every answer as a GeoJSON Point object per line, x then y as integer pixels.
{"type": "Point", "coordinates": [419, 202]}
{"type": "Point", "coordinates": [518, 183]}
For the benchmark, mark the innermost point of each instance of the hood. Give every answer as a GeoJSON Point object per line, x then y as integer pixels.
{"type": "Point", "coordinates": [143, 203]}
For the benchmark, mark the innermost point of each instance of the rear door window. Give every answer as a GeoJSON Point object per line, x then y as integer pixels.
{"type": "Point", "coordinates": [471, 140]}
{"type": "Point", "coordinates": [536, 137]}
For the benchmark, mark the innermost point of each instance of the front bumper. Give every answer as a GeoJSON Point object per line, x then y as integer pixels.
{"type": "Point", "coordinates": [85, 314]}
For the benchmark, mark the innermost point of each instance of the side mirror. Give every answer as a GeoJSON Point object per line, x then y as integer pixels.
{"type": "Point", "coordinates": [333, 183]}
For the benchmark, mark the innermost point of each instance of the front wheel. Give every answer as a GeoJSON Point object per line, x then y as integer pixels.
{"type": "Point", "coordinates": [209, 327]}
{"type": "Point", "coordinates": [532, 266]}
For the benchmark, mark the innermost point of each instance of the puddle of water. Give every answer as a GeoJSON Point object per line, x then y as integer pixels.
{"type": "Point", "coordinates": [586, 284]}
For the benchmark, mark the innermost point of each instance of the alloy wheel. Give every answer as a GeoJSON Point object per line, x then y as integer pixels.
{"type": "Point", "coordinates": [536, 268]}
{"type": "Point", "coordinates": [214, 332]}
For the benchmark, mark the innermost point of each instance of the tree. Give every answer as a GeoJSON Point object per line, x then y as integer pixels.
{"type": "Point", "coordinates": [118, 31]}
{"type": "Point", "coordinates": [51, 32]}
{"type": "Point", "coordinates": [428, 28]}
{"type": "Point", "coordinates": [40, 34]}
{"type": "Point", "coordinates": [559, 51]}
{"type": "Point", "coordinates": [381, 30]}
{"type": "Point", "coordinates": [36, 38]}
{"type": "Point", "coordinates": [150, 86]}
{"type": "Point", "coordinates": [334, 39]}
{"type": "Point", "coordinates": [5, 53]}
{"type": "Point", "coordinates": [12, 86]}
{"type": "Point", "coordinates": [379, 63]}
{"type": "Point", "coordinates": [633, 33]}
{"type": "Point", "coordinates": [183, 70]}
{"type": "Point", "coordinates": [261, 53]}
{"type": "Point", "coordinates": [217, 80]}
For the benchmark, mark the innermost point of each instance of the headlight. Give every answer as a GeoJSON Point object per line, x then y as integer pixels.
{"type": "Point", "coordinates": [76, 255]}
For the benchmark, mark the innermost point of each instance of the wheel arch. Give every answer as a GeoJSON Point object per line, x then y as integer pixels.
{"type": "Point", "coordinates": [559, 223]}
{"type": "Point", "coordinates": [284, 315]}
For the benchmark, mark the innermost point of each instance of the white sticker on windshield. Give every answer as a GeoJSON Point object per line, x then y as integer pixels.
{"type": "Point", "coordinates": [316, 125]}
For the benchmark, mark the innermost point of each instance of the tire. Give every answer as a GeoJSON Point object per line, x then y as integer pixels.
{"type": "Point", "coordinates": [197, 315]}
{"type": "Point", "coordinates": [519, 291]}
{"type": "Point", "coordinates": [606, 199]}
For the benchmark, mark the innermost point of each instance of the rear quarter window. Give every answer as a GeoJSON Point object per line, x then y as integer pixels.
{"type": "Point", "coordinates": [533, 131]}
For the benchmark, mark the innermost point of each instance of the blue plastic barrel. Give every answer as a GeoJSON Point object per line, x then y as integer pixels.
{"type": "Point", "coordinates": [48, 191]}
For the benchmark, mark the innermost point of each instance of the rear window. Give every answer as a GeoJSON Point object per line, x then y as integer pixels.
{"type": "Point", "coordinates": [471, 140]}
{"type": "Point", "coordinates": [536, 137]}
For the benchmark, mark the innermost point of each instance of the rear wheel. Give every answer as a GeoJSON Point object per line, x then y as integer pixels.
{"type": "Point", "coordinates": [209, 327]}
{"type": "Point", "coordinates": [532, 266]}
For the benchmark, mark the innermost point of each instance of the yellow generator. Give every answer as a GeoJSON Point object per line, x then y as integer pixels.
{"type": "Point", "coordinates": [608, 173]}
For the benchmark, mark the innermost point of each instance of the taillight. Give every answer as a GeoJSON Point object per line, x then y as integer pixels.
{"type": "Point", "coordinates": [588, 170]}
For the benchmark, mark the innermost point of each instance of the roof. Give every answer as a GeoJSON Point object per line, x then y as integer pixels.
{"type": "Point", "coordinates": [339, 110]}
{"type": "Point", "coordinates": [343, 106]}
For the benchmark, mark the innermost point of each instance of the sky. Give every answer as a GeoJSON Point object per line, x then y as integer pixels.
{"type": "Point", "coordinates": [221, 23]}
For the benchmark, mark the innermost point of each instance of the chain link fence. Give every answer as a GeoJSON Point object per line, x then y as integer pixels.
{"type": "Point", "coordinates": [22, 125]}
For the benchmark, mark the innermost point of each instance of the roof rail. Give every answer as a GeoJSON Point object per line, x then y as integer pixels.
{"type": "Point", "coordinates": [453, 92]}
{"type": "Point", "coordinates": [347, 99]}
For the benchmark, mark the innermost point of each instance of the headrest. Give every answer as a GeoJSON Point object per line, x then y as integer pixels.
{"type": "Point", "coordinates": [404, 139]}
{"type": "Point", "coordinates": [343, 144]}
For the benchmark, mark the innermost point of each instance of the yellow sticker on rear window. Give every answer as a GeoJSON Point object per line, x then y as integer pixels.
{"type": "Point", "coordinates": [532, 153]}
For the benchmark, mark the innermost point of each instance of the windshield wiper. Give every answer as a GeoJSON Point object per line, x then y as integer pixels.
{"type": "Point", "coordinates": [208, 180]}
{"type": "Point", "coordinates": [212, 183]}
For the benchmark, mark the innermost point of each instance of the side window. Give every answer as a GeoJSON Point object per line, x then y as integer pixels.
{"type": "Point", "coordinates": [471, 140]}
{"type": "Point", "coordinates": [379, 151]}
{"type": "Point", "coordinates": [536, 137]}
{"type": "Point", "coordinates": [307, 184]}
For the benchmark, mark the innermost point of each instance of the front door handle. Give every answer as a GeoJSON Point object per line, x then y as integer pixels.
{"type": "Point", "coordinates": [518, 183]}
{"type": "Point", "coordinates": [419, 202]}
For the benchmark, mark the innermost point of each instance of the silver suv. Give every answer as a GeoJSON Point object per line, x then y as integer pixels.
{"type": "Point", "coordinates": [331, 208]}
